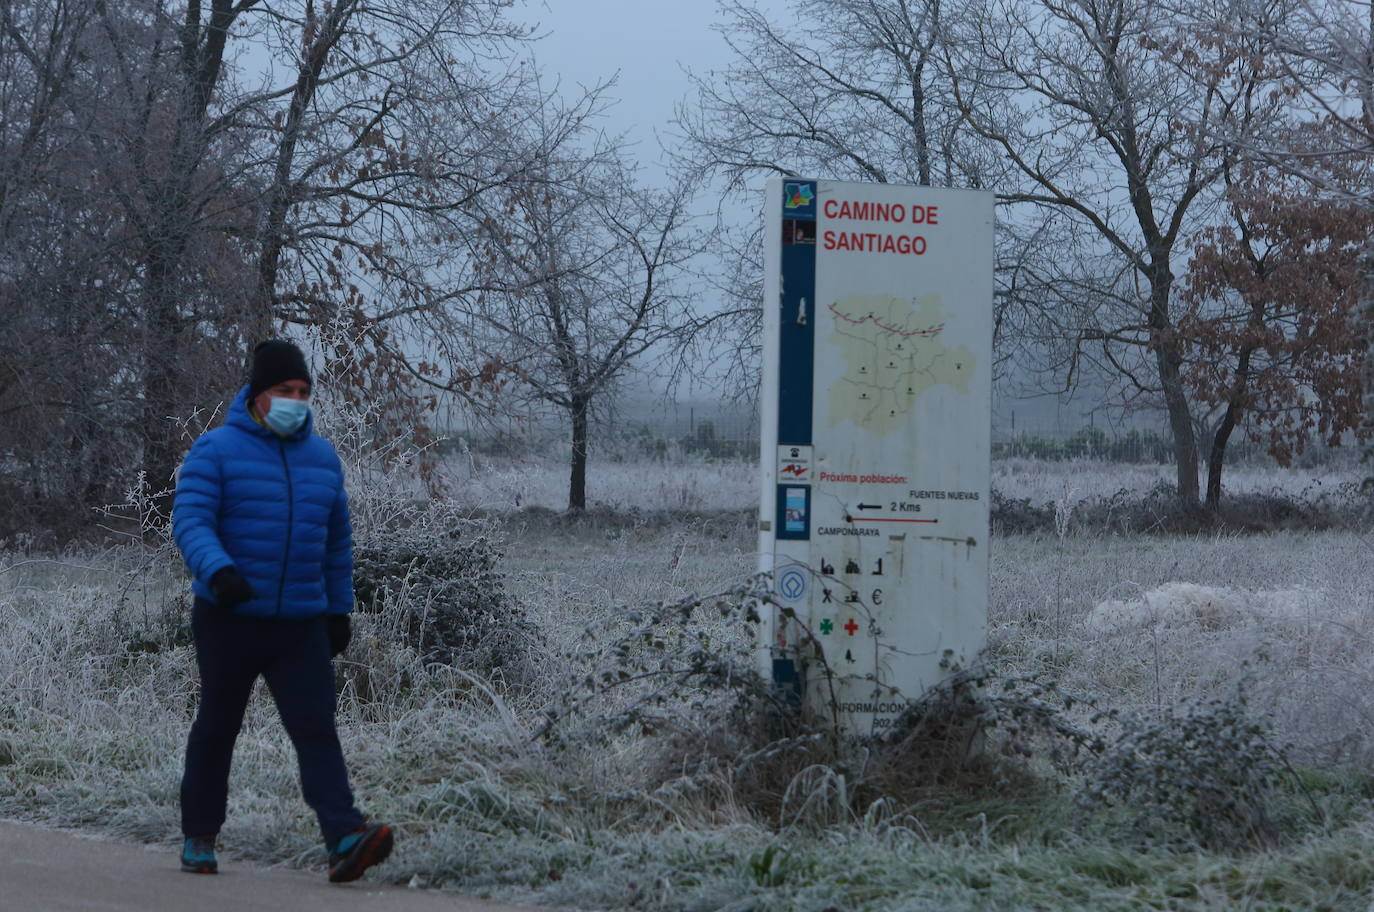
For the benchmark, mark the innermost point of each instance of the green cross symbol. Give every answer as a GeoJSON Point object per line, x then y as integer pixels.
{"type": "Point", "coordinates": [827, 626]}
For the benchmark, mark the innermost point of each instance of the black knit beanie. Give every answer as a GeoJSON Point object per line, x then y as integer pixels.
{"type": "Point", "coordinates": [276, 361]}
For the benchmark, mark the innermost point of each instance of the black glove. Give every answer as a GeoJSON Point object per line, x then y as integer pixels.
{"type": "Point", "coordinates": [340, 632]}
{"type": "Point", "coordinates": [230, 589]}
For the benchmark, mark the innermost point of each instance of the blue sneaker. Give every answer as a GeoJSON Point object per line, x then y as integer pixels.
{"type": "Point", "coordinates": [198, 855]}
{"type": "Point", "coordinates": [358, 851]}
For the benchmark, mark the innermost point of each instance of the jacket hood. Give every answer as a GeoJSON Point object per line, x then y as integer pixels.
{"type": "Point", "coordinates": [240, 418]}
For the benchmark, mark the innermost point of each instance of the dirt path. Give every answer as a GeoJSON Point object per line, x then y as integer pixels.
{"type": "Point", "coordinates": [59, 871]}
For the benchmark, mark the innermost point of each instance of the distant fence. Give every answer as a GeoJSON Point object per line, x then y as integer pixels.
{"type": "Point", "coordinates": [1135, 445]}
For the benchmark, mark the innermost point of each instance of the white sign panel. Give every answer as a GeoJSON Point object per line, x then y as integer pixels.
{"type": "Point", "coordinates": [877, 403]}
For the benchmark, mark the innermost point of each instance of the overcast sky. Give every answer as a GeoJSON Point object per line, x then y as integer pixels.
{"type": "Point", "coordinates": [647, 42]}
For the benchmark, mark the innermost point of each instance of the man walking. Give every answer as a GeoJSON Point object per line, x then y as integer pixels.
{"type": "Point", "coordinates": [261, 518]}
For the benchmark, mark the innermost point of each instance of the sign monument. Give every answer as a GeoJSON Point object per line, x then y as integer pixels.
{"type": "Point", "coordinates": [876, 405]}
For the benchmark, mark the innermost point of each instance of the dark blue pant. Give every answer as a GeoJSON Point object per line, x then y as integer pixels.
{"type": "Point", "coordinates": [293, 657]}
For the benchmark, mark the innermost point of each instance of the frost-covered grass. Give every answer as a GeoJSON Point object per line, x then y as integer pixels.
{"type": "Point", "coordinates": [1074, 481]}
{"type": "Point", "coordinates": [502, 484]}
{"type": "Point", "coordinates": [97, 689]}
{"type": "Point", "coordinates": [1152, 621]}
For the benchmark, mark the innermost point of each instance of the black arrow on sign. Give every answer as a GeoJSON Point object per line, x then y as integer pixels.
{"type": "Point", "coordinates": [870, 506]}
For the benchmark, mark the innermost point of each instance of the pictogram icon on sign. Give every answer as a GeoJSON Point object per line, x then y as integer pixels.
{"type": "Point", "coordinates": [794, 463]}
{"type": "Point", "coordinates": [792, 584]}
{"type": "Point", "coordinates": [827, 626]}
{"type": "Point", "coordinates": [852, 627]}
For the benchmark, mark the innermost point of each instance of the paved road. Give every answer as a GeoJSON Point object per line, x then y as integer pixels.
{"type": "Point", "coordinates": [56, 871]}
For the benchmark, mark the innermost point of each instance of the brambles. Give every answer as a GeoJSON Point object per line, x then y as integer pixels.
{"type": "Point", "coordinates": [450, 595]}
{"type": "Point", "coordinates": [1205, 774]}
{"type": "Point", "coordinates": [658, 667]}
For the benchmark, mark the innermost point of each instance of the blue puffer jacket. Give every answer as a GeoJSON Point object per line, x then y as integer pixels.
{"type": "Point", "coordinates": [272, 507]}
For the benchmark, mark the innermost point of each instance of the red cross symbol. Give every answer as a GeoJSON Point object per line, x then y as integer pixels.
{"type": "Point", "coordinates": [851, 626]}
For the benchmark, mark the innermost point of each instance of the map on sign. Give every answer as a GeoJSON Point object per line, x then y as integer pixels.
{"type": "Point", "coordinates": [893, 352]}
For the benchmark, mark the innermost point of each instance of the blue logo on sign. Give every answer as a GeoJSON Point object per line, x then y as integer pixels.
{"type": "Point", "coordinates": [792, 585]}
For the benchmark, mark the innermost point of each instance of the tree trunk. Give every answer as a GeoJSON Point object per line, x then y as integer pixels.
{"type": "Point", "coordinates": [162, 321]}
{"type": "Point", "coordinates": [281, 194]}
{"type": "Point", "coordinates": [1170, 361]}
{"type": "Point", "coordinates": [577, 483]}
{"type": "Point", "coordinates": [1181, 423]}
{"type": "Point", "coordinates": [1216, 458]}
{"type": "Point", "coordinates": [1365, 314]}
{"type": "Point", "coordinates": [172, 221]}
{"type": "Point", "coordinates": [918, 118]}
{"type": "Point", "coordinates": [1235, 408]}
{"type": "Point", "coordinates": [161, 344]}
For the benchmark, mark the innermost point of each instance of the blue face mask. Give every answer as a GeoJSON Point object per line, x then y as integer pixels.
{"type": "Point", "coordinates": [286, 415]}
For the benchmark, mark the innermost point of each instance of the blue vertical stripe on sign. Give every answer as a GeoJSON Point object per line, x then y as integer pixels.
{"type": "Point", "coordinates": [797, 334]}
{"type": "Point", "coordinates": [796, 347]}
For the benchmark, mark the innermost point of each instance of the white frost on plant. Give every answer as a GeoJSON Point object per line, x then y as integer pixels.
{"type": "Point", "coordinates": [1208, 607]}
{"type": "Point", "coordinates": [1044, 483]}
{"type": "Point", "coordinates": [497, 484]}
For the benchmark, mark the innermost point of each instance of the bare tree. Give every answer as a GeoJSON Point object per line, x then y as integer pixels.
{"type": "Point", "coordinates": [1326, 50]}
{"type": "Point", "coordinates": [585, 272]}
{"type": "Point", "coordinates": [1121, 115]}
{"type": "Point", "coordinates": [842, 89]}
{"type": "Point", "coordinates": [733, 332]}
{"type": "Point", "coordinates": [855, 90]}
{"type": "Point", "coordinates": [304, 185]}
{"type": "Point", "coordinates": [400, 116]}
{"type": "Point", "coordinates": [70, 284]}
{"type": "Point", "coordinates": [1103, 124]}
{"type": "Point", "coordinates": [225, 167]}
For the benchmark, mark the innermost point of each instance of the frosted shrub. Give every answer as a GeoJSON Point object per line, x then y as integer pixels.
{"type": "Point", "coordinates": [1205, 774]}
{"type": "Point", "coordinates": [663, 667]}
{"type": "Point", "coordinates": [1017, 515]}
{"type": "Point", "coordinates": [1210, 607]}
{"type": "Point", "coordinates": [1303, 649]}
{"type": "Point", "coordinates": [423, 571]}
{"type": "Point", "coordinates": [450, 596]}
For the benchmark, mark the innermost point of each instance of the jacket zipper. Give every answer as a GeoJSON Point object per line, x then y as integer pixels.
{"type": "Point", "coordinates": [290, 522]}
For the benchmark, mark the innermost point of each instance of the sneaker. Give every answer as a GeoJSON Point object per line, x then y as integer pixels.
{"type": "Point", "coordinates": [358, 851]}
{"type": "Point", "coordinates": [198, 855]}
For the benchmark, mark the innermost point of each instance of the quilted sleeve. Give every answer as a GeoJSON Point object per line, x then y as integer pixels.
{"type": "Point", "coordinates": [195, 512]}
{"type": "Point", "coordinates": [338, 560]}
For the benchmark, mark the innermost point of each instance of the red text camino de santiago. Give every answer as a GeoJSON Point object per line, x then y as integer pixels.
{"type": "Point", "coordinates": [881, 212]}
{"type": "Point", "coordinates": [874, 241]}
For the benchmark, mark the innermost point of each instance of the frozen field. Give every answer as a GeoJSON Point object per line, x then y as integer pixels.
{"type": "Point", "coordinates": [697, 485]}
{"type": "Point", "coordinates": [97, 688]}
